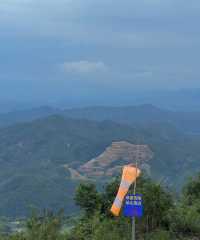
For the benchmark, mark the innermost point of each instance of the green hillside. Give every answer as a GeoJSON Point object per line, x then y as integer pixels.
{"type": "Point", "coordinates": [33, 155]}
{"type": "Point", "coordinates": [10, 118]}
{"type": "Point", "coordinates": [141, 115]}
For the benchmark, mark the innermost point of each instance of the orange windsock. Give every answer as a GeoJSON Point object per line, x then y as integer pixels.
{"type": "Point", "coordinates": [129, 175]}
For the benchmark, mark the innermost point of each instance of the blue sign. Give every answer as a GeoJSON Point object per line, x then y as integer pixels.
{"type": "Point", "coordinates": [133, 205]}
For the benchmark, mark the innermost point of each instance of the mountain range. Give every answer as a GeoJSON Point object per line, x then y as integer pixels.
{"type": "Point", "coordinates": [45, 152]}
{"type": "Point", "coordinates": [142, 115]}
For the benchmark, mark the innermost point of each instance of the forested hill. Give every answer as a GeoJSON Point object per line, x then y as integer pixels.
{"type": "Point", "coordinates": [37, 158]}
{"type": "Point", "coordinates": [142, 115]}
{"type": "Point", "coordinates": [10, 118]}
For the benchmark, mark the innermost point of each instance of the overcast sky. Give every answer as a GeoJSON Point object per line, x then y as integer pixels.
{"type": "Point", "coordinates": [52, 50]}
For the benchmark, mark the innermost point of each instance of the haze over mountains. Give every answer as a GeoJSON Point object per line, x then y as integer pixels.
{"type": "Point", "coordinates": [44, 151]}
{"type": "Point", "coordinates": [141, 115]}
{"type": "Point", "coordinates": [176, 100]}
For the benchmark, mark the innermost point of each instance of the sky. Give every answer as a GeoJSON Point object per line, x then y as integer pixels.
{"type": "Point", "coordinates": [92, 51]}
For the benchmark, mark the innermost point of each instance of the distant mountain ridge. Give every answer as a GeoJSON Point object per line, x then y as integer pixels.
{"type": "Point", "coordinates": [7, 119]}
{"type": "Point", "coordinates": [141, 115]}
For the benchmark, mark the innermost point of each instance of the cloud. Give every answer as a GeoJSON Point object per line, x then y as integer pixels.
{"type": "Point", "coordinates": [84, 67]}
{"type": "Point", "coordinates": [139, 23]}
{"type": "Point", "coordinates": [140, 43]}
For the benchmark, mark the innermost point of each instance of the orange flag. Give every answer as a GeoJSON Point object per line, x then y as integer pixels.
{"type": "Point", "coordinates": [129, 176]}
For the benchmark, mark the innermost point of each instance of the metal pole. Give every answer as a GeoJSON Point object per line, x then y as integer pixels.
{"type": "Point", "coordinates": [133, 228]}
{"type": "Point", "coordinates": [134, 191]}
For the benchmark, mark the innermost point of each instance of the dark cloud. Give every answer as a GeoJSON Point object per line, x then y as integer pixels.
{"type": "Point", "coordinates": [141, 44]}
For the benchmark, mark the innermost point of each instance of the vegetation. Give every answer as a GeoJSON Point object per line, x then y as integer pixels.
{"type": "Point", "coordinates": [32, 169]}
{"type": "Point", "coordinates": [165, 218]}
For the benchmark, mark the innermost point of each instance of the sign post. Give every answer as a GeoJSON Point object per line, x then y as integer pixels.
{"type": "Point", "coordinates": [133, 208]}
{"type": "Point", "coordinates": [134, 191]}
{"type": "Point", "coordinates": [133, 228]}
{"type": "Point", "coordinates": [136, 203]}
{"type": "Point", "coordinates": [133, 219]}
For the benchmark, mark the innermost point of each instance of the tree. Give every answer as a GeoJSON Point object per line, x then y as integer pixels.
{"type": "Point", "coordinates": [185, 218]}
{"type": "Point", "coordinates": [44, 227]}
{"type": "Point", "coordinates": [87, 198]}
{"type": "Point", "coordinates": [157, 203]}
{"type": "Point", "coordinates": [159, 235]}
{"type": "Point", "coordinates": [191, 191]}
